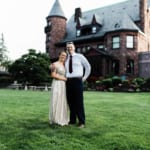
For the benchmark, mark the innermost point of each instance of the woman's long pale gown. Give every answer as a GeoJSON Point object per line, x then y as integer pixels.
{"type": "Point", "coordinates": [58, 103]}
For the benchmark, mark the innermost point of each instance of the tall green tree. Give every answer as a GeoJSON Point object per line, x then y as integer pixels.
{"type": "Point", "coordinates": [31, 68]}
{"type": "Point", "coordinates": [4, 61]}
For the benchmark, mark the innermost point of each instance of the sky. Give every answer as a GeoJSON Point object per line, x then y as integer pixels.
{"type": "Point", "coordinates": [22, 22]}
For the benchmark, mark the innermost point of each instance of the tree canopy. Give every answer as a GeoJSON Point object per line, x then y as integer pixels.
{"type": "Point", "coordinates": [31, 68]}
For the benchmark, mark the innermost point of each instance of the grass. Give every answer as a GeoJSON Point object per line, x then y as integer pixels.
{"type": "Point", "coordinates": [114, 121]}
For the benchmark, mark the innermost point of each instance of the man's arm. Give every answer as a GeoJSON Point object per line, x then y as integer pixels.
{"type": "Point", "coordinates": [87, 68]}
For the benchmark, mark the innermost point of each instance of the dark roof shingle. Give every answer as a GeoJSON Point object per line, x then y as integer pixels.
{"type": "Point", "coordinates": [120, 16]}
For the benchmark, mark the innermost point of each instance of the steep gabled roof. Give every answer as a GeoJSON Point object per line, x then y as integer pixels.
{"type": "Point", "coordinates": [57, 10]}
{"type": "Point", "coordinates": [120, 22]}
{"type": "Point", "coordinates": [98, 19]}
{"type": "Point", "coordinates": [120, 16]}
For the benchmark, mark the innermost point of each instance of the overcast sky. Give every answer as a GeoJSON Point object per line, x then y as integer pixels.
{"type": "Point", "coordinates": [22, 21]}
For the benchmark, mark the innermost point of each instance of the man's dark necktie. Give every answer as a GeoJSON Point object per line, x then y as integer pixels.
{"type": "Point", "coordinates": [70, 64]}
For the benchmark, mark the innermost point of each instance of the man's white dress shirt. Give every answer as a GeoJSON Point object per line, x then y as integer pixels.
{"type": "Point", "coordinates": [79, 63]}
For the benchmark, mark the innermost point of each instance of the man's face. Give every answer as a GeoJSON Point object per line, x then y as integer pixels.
{"type": "Point", "coordinates": [70, 48]}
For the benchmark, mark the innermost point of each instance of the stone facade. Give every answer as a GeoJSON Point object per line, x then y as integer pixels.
{"type": "Point", "coordinates": [144, 64]}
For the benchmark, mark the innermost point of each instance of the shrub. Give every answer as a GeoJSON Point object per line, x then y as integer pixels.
{"type": "Point", "coordinates": [116, 81]}
{"type": "Point", "coordinates": [146, 85]}
{"type": "Point", "coordinates": [5, 81]}
{"type": "Point", "coordinates": [126, 83]}
{"type": "Point", "coordinates": [138, 81]}
{"type": "Point", "coordinates": [107, 83]}
{"type": "Point", "coordinates": [99, 85]}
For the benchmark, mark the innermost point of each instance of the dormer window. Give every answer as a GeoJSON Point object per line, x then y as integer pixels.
{"type": "Point", "coordinates": [86, 30]}
{"type": "Point", "coordinates": [94, 29]}
{"type": "Point", "coordinates": [78, 33]}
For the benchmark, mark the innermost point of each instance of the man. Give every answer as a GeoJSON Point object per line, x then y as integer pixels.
{"type": "Point", "coordinates": [77, 71]}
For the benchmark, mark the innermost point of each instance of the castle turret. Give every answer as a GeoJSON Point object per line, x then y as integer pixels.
{"type": "Point", "coordinates": [55, 29]}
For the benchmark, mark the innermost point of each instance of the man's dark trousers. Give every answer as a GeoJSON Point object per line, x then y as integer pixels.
{"type": "Point", "coordinates": [74, 89]}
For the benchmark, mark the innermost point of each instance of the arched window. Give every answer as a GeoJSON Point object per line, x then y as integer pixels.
{"type": "Point", "coordinates": [115, 67]}
{"type": "Point", "coordinates": [130, 66]}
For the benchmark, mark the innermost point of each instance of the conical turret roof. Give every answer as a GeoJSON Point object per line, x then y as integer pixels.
{"type": "Point", "coordinates": [57, 10]}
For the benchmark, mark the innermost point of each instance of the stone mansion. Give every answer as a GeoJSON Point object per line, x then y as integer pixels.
{"type": "Point", "coordinates": [115, 38]}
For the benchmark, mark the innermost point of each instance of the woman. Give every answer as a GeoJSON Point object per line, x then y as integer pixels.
{"type": "Point", "coordinates": [58, 104]}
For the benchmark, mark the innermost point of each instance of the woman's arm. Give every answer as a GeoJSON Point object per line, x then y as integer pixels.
{"type": "Point", "coordinates": [55, 75]}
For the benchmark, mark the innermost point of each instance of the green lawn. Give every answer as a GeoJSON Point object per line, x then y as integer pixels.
{"type": "Point", "coordinates": [114, 121]}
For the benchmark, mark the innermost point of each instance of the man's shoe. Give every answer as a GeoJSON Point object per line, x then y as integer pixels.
{"type": "Point", "coordinates": [81, 125]}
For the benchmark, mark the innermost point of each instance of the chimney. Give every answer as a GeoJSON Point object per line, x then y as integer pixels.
{"type": "Point", "coordinates": [143, 14]}
{"type": "Point", "coordinates": [78, 14]}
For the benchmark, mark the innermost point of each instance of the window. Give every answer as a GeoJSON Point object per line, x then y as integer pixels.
{"type": "Point", "coordinates": [78, 32]}
{"type": "Point", "coordinates": [129, 41]}
{"type": "Point", "coordinates": [47, 29]}
{"type": "Point", "coordinates": [115, 66]}
{"type": "Point", "coordinates": [88, 48]}
{"type": "Point", "coordinates": [101, 46]}
{"type": "Point", "coordinates": [48, 38]}
{"type": "Point", "coordinates": [79, 50]}
{"type": "Point", "coordinates": [130, 66]}
{"type": "Point", "coordinates": [83, 49]}
{"type": "Point", "coordinates": [47, 49]}
{"type": "Point", "coordinates": [94, 29]}
{"type": "Point", "coordinates": [116, 42]}
{"type": "Point", "coordinates": [49, 23]}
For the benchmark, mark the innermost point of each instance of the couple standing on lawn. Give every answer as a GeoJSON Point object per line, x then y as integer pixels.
{"type": "Point", "coordinates": [68, 73]}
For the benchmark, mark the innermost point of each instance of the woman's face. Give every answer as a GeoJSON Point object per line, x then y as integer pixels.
{"type": "Point", "coordinates": [63, 56]}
